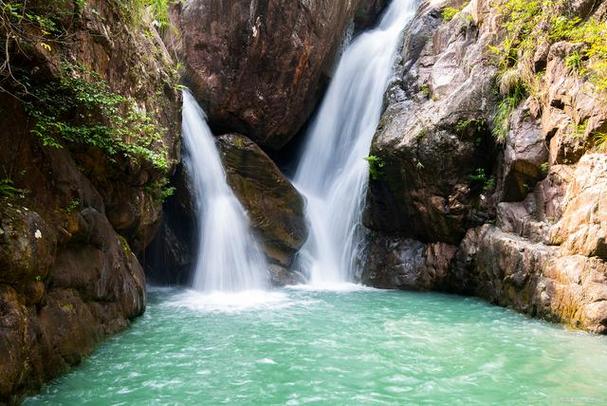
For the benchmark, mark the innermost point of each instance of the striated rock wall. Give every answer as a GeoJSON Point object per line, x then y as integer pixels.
{"type": "Point", "coordinates": [523, 214]}
{"type": "Point", "coordinates": [81, 189]}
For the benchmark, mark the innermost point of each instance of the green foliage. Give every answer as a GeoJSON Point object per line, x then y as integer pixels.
{"type": "Point", "coordinates": [574, 61]}
{"type": "Point", "coordinates": [600, 141]}
{"type": "Point", "coordinates": [81, 109]}
{"type": "Point", "coordinates": [376, 167]}
{"type": "Point", "coordinates": [529, 23]}
{"type": "Point", "coordinates": [72, 206]}
{"type": "Point", "coordinates": [501, 121]}
{"type": "Point", "coordinates": [160, 190]}
{"type": "Point", "coordinates": [470, 125]}
{"type": "Point", "coordinates": [579, 130]}
{"type": "Point", "coordinates": [479, 177]}
{"type": "Point", "coordinates": [545, 168]}
{"type": "Point", "coordinates": [8, 189]}
{"type": "Point", "coordinates": [159, 10]}
{"type": "Point", "coordinates": [449, 12]}
{"type": "Point", "coordinates": [425, 90]}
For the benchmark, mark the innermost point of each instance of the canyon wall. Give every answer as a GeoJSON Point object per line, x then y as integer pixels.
{"type": "Point", "coordinates": [90, 133]}
{"type": "Point", "coordinates": [493, 166]}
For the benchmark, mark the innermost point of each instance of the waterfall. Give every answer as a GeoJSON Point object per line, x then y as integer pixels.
{"type": "Point", "coordinates": [332, 172]}
{"type": "Point", "coordinates": [229, 260]}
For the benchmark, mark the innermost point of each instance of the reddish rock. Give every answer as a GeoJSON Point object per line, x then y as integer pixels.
{"type": "Point", "coordinates": [257, 67]}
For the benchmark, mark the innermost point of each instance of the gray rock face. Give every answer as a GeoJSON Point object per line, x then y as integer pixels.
{"type": "Point", "coordinates": [525, 157]}
{"type": "Point", "coordinates": [405, 264]}
{"type": "Point", "coordinates": [542, 250]}
{"type": "Point", "coordinates": [434, 137]}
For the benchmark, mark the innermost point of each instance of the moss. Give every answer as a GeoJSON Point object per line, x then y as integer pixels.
{"type": "Point", "coordinates": [124, 244]}
{"type": "Point", "coordinates": [449, 12]}
{"type": "Point", "coordinates": [376, 167]}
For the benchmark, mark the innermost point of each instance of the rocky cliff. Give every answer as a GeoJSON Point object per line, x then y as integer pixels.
{"type": "Point", "coordinates": [90, 124]}
{"type": "Point", "coordinates": [493, 163]}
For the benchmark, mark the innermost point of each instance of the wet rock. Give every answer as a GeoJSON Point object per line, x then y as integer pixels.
{"type": "Point", "coordinates": [68, 274]}
{"type": "Point", "coordinates": [275, 208]}
{"type": "Point", "coordinates": [171, 256]}
{"type": "Point", "coordinates": [533, 278]}
{"type": "Point", "coordinates": [397, 263]}
{"type": "Point", "coordinates": [368, 13]}
{"type": "Point", "coordinates": [256, 66]}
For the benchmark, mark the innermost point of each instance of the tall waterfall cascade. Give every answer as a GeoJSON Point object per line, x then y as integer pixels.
{"type": "Point", "coordinates": [332, 172]}
{"type": "Point", "coordinates": [229, 259]}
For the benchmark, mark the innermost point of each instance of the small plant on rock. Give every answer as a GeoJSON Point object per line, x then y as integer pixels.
{"type": "Point", "coordinates": [376, 166]}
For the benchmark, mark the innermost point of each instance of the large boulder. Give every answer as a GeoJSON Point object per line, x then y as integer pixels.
{"type": "Point", "coordinates": [257, 67]}
{"type": "Point", "coordinates": [274, 207]}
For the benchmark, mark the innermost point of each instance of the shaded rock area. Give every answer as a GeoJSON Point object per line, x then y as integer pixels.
{"type": "Point", "coordinates": [73, 218]}
{"type": "Point", "coordinates": [525, 224]}
{"type": "Point", "coordinates": [258, 67]}
{"type": "Point", "coordinates": [394, 262]}
{"type": "Point", "coordinates": [171, 256]}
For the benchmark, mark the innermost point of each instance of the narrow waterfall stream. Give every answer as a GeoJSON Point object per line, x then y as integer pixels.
{"type": "Point", "coordinates": [229, 259]}
{"type": "Point", "coordinates": [332, 172]}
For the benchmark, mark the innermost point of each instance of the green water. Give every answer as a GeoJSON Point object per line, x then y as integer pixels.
{"type": "Point", "coordinates": [336, 348]}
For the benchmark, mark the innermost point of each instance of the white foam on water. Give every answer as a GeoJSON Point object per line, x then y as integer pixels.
{"type": "Point", "coordinates": [230, 302]}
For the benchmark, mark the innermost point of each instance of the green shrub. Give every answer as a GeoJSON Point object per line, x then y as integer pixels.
{"type": "Point", "coordinates": [81, 109]}
{"type": "Point", "coordinates": [8, 189]}
{"type": "Point", "coordinates": [376, 167]}
{"type": "Point", "coordinates": [505, 107]}
{"type": "Point", "coordinates": [600, 141]}
{"type": "Point", "coordinates": [530, 23]}
{"type": "Point", "coordinates": [449, 12]}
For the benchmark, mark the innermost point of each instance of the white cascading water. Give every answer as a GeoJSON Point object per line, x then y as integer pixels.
{"type": "Point", "coordinates": [332, 172]}
{"type": "Point", "coordinates": [229, 259]}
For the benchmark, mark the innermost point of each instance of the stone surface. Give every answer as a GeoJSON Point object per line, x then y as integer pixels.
{"type": "Point", "coordinates": [525, 157]}
{"type": "Point", "coordinates": [274, 207]}
{"type": "Point", "coordinates": [434, 137]}
{"type": "Point", "coordinates": [542, 250]}
{"type": "Point", "coordinates": [392, 262]}
{"type": "Point", "coordinates": [68, 273]}
{"type": "Point", "coordinates": [533, 278]}
{"type": "Point", "coordinates": [257, 67]}
{"type": "Point", "coordinates": [582, 229]}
